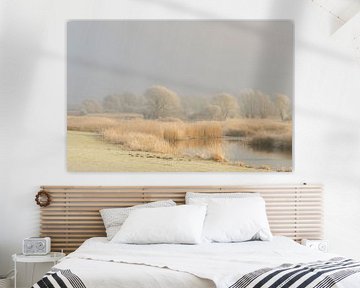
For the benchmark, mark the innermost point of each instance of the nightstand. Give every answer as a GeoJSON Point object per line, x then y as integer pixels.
{"type": "Point", "coordinates": [53, 257]}
{"type": "Point", "coordinates": [320, 245]}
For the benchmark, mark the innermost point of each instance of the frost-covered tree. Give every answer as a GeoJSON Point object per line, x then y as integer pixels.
{"type": "Point", "coordinates": [227, 103]}
{"type": "Point", "coordinates": [283, 106]}
{"type": "Point", "coordinates": [91, 106]}
{"type": "Point", "coordinates": [122, 103]}
{"type": "Point", "coordinates": [256, 104]}
{"type": "Point", "coordinates": [161, 102]}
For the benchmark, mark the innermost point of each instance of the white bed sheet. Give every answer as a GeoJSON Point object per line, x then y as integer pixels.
{"type": "Point", "coordinates": [100, 263]}
{"type": "Point", "coordinates": [103, 274]}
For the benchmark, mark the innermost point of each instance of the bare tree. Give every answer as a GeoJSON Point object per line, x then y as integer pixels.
{"type": "Point", "coordinates": [210, 112]}
{"type": "Point", "coordinates": [91, 106]}
{"type": "Point", "coordinates": [213, 112]}
{"type": "Point", "coordinates": [265, 105]}
{"type": "Point", "coordinates": [193, 106]}
{"type": "Point", "coordinates": [125, 103]}
{"type": "Point", "coordinates": [227, 103]}
{"type": "Point", "coordinates": [111, 103]}
{"type": "Point", "coordinates": [256, 104]}
{"type": "Point", "coordinates": [283, 105]}
{"type": "Point", "coordinates": [161, 102]}
{"type": "Point", "coordinates": [248, 104]}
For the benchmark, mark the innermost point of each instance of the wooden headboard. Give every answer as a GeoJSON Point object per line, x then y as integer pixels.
{"type": "Point", "coordinates": [73, 215]}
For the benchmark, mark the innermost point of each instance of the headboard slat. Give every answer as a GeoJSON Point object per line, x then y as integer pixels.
{"type": "Point", "coordinates": [73, 216]}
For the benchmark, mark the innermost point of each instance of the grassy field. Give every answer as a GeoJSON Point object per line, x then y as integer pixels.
{"type": "Point", "coordinates": [117, 142]}
{"type": "Point", "coordinates": [87, 152]}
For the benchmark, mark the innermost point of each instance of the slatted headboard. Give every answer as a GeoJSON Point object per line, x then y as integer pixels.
{"type": "Point", "coordinates": [73, 215]}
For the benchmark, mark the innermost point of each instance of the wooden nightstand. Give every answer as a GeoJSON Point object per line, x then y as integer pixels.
{"type": "Point", "coordinates": [53, 257]}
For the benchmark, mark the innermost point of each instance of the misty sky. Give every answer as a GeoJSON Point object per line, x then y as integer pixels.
{"type": "Point", "coordinates": [193, 58]}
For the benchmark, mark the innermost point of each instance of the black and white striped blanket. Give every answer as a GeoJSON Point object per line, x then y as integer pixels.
{"type": "Point", "coordinates": [320, 274]}
{"type": "Point", "coordinates": [57, 278]}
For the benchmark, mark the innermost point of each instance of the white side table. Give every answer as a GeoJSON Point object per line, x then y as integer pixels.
{"type": "Point", "coordinates": [53, 257]}
{"type": "Point", "coordinates": [320, 245]}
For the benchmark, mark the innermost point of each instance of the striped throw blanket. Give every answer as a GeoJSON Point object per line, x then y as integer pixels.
{"type": "Point", "coordinates": [57, 278]}
{"type": "Point", "coordinates": [320, 274]}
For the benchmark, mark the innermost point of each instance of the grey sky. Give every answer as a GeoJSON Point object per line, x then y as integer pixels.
{"type": "Point", "coordinates": [193, 58]}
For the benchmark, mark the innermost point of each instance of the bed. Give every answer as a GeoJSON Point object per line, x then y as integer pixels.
{"type": "Point", "coordinates": [293, 210]}
{"type": "Point", "coordinates": [99, 263]}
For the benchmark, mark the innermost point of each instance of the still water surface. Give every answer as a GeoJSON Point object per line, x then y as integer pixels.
{"type": "Point", "coordinates": [237, 151]}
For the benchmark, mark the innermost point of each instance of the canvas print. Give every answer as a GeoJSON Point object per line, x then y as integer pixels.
{"type": "Point", "coordinates": [189, 96]}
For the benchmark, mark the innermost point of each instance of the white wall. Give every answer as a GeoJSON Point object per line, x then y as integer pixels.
{"type": "Point", "coordinates": [33, 104]}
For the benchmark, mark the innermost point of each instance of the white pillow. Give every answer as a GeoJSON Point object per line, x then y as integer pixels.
{"type": "Point", "coordinates": [113, 218]}
{"type": "Point", "coordinates": [180, 224]}
{"type": "Point", "coordinates": [204, 198]}
{"type": "Point", "coordinates": [236, 220]}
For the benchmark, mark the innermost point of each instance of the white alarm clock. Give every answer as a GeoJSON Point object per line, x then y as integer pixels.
{"type": "Point", "coordinates": [320, 245]}
{"type": "Point", "coordinates": [36, 246]}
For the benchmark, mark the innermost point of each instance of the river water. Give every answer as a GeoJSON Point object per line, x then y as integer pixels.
{"type": "Point", "coordinates": [237, 151]}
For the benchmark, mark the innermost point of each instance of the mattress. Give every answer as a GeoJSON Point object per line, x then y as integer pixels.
{"type": "Point", "coordinates": [99, 263]}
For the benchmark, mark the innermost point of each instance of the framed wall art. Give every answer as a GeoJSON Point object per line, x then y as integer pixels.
{"type": "Point", "coordinates": [190, 96]}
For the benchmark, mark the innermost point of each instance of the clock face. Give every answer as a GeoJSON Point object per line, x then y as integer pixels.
{"type": "Point", "coordinates": [323, 247]}
{"type": "Point", "coordinates": [40, 245]}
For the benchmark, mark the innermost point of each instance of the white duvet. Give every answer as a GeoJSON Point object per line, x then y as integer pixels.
{"type": "Point", "coordinates": [100, 263]}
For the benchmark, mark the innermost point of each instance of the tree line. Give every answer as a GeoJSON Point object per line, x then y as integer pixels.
{"type": "Point", "coordinates": [161, 102]}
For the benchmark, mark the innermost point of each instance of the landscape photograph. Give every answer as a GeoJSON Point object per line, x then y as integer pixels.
{"type": "Point", "coordinates": [179, 96]}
